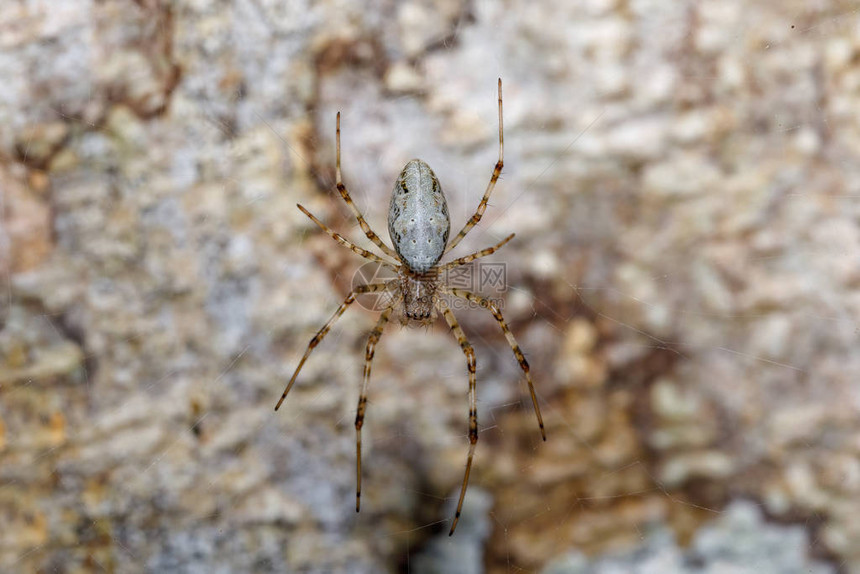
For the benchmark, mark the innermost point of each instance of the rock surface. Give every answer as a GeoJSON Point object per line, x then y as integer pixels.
{"type": "Point", "coordinates": [683, 182]}
{"type": "Point", "coordinates": [738, 542]}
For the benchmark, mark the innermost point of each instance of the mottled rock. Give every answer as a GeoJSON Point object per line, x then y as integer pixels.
{"type": "Point", "coordinates": [739, 541]}
{"type": "Point", "coordinates": [683, 185]}
{"type": "Point", "coordinates": [463, 554]}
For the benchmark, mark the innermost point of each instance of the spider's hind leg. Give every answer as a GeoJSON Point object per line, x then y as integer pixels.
{"type": "Point", "coordinates": [344, 193]}
{"type": "Point", "coordinates": [477, 254]}
{"type": "Point", "coordinates": [497, 170]}
{"type": "Point", "coordinates": [347, 243]}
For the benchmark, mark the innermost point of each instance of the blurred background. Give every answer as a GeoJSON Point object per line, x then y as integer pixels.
{"type": "Point", "coordinates": [683, 181]}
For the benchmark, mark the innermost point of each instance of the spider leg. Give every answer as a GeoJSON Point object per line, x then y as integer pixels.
{"type": "Point", "coordinates": [344, 193]}
{"type": "Point", "coordinates": [362, 399]}
{"type": "Point", "coordinates": [487, 304]}
{"type": "Point", "coordinates": [496, 172]}
{"type": "Point", "coordinates": [473, 407]}
{"type": "Point", "coordinates": [372, 288]}
{"type": "Point", "coordinates": [347, 243]}
{"type": "Point", "coordinates": [471, 257]}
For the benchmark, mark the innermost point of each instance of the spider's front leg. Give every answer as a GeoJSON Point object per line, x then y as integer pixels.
{"type": "Point", "coordinates": [473, 406]}
{"type": "Point", "coordinates": [372, 340]}
{"type": "Point", "coordinates": [521, 359]}
{"type": "Point", "coordinates": [372, 288]}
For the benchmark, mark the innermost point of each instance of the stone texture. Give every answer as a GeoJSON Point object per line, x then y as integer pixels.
{"type": "Point", "coordinates": [683, 182]}
{"type": "Point", "coordinates": [739, 541]}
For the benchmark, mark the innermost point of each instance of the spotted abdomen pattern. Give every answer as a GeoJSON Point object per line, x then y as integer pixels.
{"type": "Point", "coordinates": [418, 219]}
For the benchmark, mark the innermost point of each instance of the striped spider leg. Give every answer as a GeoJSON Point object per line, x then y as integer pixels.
{"type": "Point", "coordinates": [470, 360]}
{"type": "Point", "coordinates": [497, 171]}
{"type": "Point", "coordinates": [371, 288]}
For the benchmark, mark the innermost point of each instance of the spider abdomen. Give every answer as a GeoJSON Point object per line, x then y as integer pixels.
{"type": "Point", "coordinates": [418, 217]}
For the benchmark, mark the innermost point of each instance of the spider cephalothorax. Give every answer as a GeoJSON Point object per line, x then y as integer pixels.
{"type": "Point", "coordinates": [419, 225]}
{"type": "Point", "coordinates": [420, 293]}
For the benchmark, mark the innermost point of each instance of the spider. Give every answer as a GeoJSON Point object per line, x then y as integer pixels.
{"type": "Point", "coordinates": [418, 224]}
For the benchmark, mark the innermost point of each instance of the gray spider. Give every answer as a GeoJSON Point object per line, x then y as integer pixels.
{"type": "Point", "coordinates": [418, 224]}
